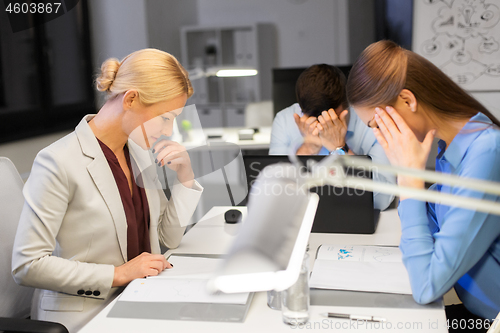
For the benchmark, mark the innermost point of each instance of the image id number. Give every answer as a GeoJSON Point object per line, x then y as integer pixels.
{"type": "Point", "coordinates": [33, 8]}
{"type": "Point", "coordinates": [470, 323]}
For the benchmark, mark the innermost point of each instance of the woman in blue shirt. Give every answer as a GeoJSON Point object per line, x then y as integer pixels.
{"type": "Point", "coordinates": [408, 101]}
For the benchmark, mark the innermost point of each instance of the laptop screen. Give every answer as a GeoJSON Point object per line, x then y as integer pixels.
{"type": "Point", "coordinates": [340, 209]}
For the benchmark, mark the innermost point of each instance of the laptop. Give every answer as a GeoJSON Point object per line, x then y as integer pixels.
{"type": "Point", "coordinates": [340, 209]}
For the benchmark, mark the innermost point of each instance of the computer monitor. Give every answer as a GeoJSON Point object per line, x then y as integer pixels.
{"type": "Point", "coordinates": [340, 209]}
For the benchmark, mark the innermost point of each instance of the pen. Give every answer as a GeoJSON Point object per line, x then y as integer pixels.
{"type": "Point", "coordinates": [353, 317]}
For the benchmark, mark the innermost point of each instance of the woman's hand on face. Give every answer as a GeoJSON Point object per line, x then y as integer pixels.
{"type": "Point", "coordinates": [175, 157]}
{"type": "Point", "coordinates": [399, 142]}
{"type": "Point", "coordinates": [145, 264]}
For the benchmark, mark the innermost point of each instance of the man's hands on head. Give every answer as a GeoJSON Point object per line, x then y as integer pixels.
{"type": "Point", "coordinates": [328, 130]}
{"type": "Point", "coordinates": [308, 127]}
{"type": "Point", "coordinates": [332, 129]}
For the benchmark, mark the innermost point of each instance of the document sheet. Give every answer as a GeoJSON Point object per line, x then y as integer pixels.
{"type": "Point", "coordinates": [184, 283]}
{"type": "Point", "coordinates": [360, 268]}
{"type": "Point", "coordinates": [195, 267]}
{"type": "Point", "coordinates": [178, 290]}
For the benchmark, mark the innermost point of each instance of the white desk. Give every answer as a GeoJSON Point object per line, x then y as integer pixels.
{"type": "Point", "coordinates": [213, 236]}
{"type": "Point", "coordinates": [261, 140]}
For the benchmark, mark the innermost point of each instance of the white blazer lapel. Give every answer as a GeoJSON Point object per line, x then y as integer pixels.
{"type": "Point", "coordinates": [104, 180]}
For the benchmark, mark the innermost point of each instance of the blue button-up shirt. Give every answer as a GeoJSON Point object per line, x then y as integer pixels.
{"type": "Point", "coordinates": [447, 246]}
{"type": "Point", "coordinates": [286, 138]}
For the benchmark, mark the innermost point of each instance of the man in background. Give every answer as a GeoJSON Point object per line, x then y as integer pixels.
{"type": "Point", "coordinates": [321, 124]}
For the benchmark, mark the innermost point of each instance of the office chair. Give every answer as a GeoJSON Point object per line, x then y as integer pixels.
{"type": "Point", "coordinates": [16, 300]}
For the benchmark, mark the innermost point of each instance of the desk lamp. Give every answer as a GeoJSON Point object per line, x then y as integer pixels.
{"type": "Point", "coordinates": [269, 248]}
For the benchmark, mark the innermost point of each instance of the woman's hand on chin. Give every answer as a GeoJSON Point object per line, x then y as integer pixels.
{"type": "Point", "coordinates": [176, 158]}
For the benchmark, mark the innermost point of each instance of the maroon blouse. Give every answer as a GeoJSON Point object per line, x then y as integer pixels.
{"type": "Point", "coordinates": [135, 205]}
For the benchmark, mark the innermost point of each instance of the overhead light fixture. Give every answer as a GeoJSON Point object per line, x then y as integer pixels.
{"type": "Point", "coordinates": [199, 73]}
{"type": "Point", "coordinates": [236, 72]}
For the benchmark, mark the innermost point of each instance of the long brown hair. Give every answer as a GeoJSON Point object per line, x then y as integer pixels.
{"type": "Point", "coordinates": [384, 69]}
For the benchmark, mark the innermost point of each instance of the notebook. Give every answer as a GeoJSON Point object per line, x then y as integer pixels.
{"type": "Point", "coordinates": [360, 268]}
{"type": "Point", "coordinates": [181, 294]}
{"type": "Point", "coordinates": [340, 209]}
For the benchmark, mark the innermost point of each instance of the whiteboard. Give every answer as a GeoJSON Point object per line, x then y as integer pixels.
{"type": "Point", "coordinates": [462, 38]}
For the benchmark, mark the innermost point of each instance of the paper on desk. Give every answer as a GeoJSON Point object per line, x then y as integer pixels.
{"type": "Point", "coordinates": [190, 267]}
{"type": "Point", "coordinates": [360, 268]}
{"type": "Point", "coordinates": [177, 290]}
{"type": "Point", "coordinates": [360, 253]}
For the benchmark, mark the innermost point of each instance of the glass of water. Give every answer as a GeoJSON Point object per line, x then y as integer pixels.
{"type": "Point", "coordinates": [295, 300]}
{"type": "Point", "coordinates": [274, 299]}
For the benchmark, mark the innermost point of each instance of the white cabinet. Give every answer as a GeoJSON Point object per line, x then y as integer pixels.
{"type": "Point", "coordinates": [210, 116]}
{"type": "Point", "coordinates": [247, 46]}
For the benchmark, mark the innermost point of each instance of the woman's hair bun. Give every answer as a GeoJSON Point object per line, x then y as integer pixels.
{"type": "Point", "coordinates": [109, 69]}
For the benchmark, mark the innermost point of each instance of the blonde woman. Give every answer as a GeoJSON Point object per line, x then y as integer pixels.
{"type": "Point", "coordinates": [90, 225]}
